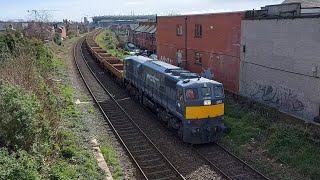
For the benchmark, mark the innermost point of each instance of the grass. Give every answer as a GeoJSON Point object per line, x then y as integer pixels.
{"type": "Point", "coordinates": [261, 128]}
{"type": "Point", "coordinates": [111, 158]}
{"type": "Point", "coordinates": [107, 40]}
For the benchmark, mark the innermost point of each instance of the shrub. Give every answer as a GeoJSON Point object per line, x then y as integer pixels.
{"type": "Point", "coordinates": [72, 34]}
{"type": "Point", "coordinates": [18, 165]}
{"type": "Point", "coordinates": [62, 170]}
{"type": "Point", "coordinates": [57, 38]}
{"type": "Point", "coordinates": [19, 117]}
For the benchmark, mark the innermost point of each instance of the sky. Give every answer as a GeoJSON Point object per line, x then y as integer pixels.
{"type": "Point", "coordinates": [77, 9]}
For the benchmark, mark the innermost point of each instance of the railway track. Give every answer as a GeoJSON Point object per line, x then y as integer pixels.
{"type": "Point", "coordinates": [147, 157]}
{"type": "Point", "coordinates": [227, 164]}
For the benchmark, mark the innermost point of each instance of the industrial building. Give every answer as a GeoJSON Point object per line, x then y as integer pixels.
{"type": "Point", "coordinates": [280, 63]}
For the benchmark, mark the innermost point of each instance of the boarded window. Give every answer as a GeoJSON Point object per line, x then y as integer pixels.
{"type": "Point", "coordinates": [198, 57]}
{"type": "Point", "coordinates": [179, 56]}
{"type": "Point", "coordinates": [198, 30]}
{"type": "Point", "coordinates": [179, 30]}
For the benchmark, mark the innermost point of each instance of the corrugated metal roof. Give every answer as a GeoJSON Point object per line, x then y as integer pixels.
{"type": "Point", "coordinates": [149, 29]}
{"type": "Point", "coordinates": [304, 3]}
{"type": "Point", "coordinates": [134, 26]}
{"type": "Point", "coordinates": [144, 29]}
{"type": "Point", "coordinates": [153, 30]}
{"type": "Point", "coordinates": [140, 28]}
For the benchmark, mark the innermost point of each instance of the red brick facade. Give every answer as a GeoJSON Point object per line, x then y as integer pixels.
{"type": "Point", "coordinates": [144, 35]}
{"type": "Point", "coordinates": [208, 41]}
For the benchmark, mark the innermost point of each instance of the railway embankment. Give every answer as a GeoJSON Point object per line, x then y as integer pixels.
{"type": "Point", "coordinates": [277, 144]}
{"type": "Point", "coordinates": [47, 120]}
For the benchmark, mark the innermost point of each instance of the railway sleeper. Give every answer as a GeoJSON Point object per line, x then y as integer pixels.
{"type": "Point", "coordinates": [155, 166]}
{"type": "Point", "coordinates": [141, 150]}
{"type": "Point", "coordinates": [165, 171]}
{"type": "Point", "coordinates": [165, 178]}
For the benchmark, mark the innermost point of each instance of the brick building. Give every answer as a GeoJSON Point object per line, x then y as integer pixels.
{"type": "Point", "coordinates": [39, 30]}
{"type": "Point", "coordinates": [144, 36]}
{"type": "Point", "coordinates": [208, 44]}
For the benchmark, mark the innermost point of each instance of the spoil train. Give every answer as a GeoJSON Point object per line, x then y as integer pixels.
{"type": "Point", "coordinates": [186, 102]}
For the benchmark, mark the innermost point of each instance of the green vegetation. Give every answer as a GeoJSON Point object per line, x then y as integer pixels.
{"type": "Point", "coordinates": [107, 40]}
{"type": "Point", "coordinates": [57, 38]}
{"type": "Point", "coordinates": [260, 129]}
{"type": "Point", "coordinates": [111, 158]}
{"type": "Point", "coordinates": [35, 111]}
{"type": "Point", "coordinates": [72, 35]}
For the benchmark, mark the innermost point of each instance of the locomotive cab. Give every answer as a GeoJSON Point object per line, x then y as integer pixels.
{"type": "Point", "coordinates": [201, 103]}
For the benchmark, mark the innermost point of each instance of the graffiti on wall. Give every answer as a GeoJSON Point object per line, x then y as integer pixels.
{"type": "Point", "coordinates": [278, 96]}
{"type": "Point", "coordinates": [165, 59]}
{"type": "Point", "coordinates": [207, 73]}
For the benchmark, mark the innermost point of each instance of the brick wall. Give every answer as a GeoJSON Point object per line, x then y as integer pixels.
{"type": "Point", "coordinates": [219, 44]}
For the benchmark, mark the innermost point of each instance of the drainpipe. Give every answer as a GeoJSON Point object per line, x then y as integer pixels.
{"type": "Point", "coordinates": [186, 42]}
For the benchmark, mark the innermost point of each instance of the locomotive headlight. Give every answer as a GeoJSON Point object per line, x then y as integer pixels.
{"type": "Point", "coordinates": [207, 102]}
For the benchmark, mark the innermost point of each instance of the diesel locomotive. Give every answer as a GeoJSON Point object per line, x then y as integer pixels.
{"type": "Point", "coordinates": [190, 104]}
{"type": "Point", "coordinates": [186, 102]}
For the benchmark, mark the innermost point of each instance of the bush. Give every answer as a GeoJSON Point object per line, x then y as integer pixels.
{"type": "Point", "coordinates": [19, 117]}
{"type": "Point", "coordinates": [57, 38]}
{"type": "Point", "coordinates": [110, 46]}
{"type": "Point", "coordinates": [18, 165]}
{"type": "Point", "coordinates": [72, 35]}
{"type": "Point", "coordinates": [62, 170]}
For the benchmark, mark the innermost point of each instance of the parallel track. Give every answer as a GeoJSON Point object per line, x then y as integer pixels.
{"type": "Point", "coordinates": [147, 157]}
{"type": "Point", "coordinates": [228, 165]}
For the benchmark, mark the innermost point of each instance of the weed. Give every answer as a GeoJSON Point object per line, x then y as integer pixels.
{"type": "Point", "coordinates": [255, 124]}
{"type": "Point", "coordinates": [107, 40]}
{"type": "Point", "coordinates": [110, 156]}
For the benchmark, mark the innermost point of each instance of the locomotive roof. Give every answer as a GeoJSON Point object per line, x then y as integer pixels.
{"type": "Point", "coordinates": [174, 72]}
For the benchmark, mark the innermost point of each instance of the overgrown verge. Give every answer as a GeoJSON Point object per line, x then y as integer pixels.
{"type": "Point", "coordinates": [37, 113]}
{"type": "Point", "coordinates": [262, 136]}
{"type": "Point", "coordinates": [107, 40]}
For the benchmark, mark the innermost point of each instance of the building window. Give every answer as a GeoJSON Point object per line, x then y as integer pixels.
{"type": "Point", "coordinates": [198, 30]}
{"type": "Point", "coordinates": [198, 57]}
{"type": "Point", "coordinates": [179, 56]}
{"type": "Point", "coordinates": [179, 30]}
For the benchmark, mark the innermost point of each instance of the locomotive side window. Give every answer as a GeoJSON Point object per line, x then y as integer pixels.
{"type": "Point", "coordinates": [191, 94]}
{"type": "Point", "coordinates": [218, 92]}
{"type": "Point", "coordinates": [180, 95]}
{"type": "Point", "coordinates": [206, 92]}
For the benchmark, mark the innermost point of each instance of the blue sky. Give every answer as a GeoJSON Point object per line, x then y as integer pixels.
{"type": "Point", "coordinates": [76, 9]}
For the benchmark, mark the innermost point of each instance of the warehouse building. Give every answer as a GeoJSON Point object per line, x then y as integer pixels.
{"type": "Point", "coordinates": [280, 60]}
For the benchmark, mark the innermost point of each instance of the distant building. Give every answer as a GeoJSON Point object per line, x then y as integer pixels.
{"type": "Point", "coordinates": [73, 28]}
{"type": "Point", "coordinates": [61, 29]}
{"type": "Point", "coordinates": [280, 63]}
{"type": "Point", "coordinates": [39, 30]}
{"type": "Point", "coordinates": [144, 35]}
{"type": "Point", "coordinates": [85, 21]}
{"type": "Point", "coordinates": [304, 3]}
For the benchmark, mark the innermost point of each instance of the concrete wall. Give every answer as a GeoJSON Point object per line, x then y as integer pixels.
{"type": "Point", "coordinates": [281, 64]}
